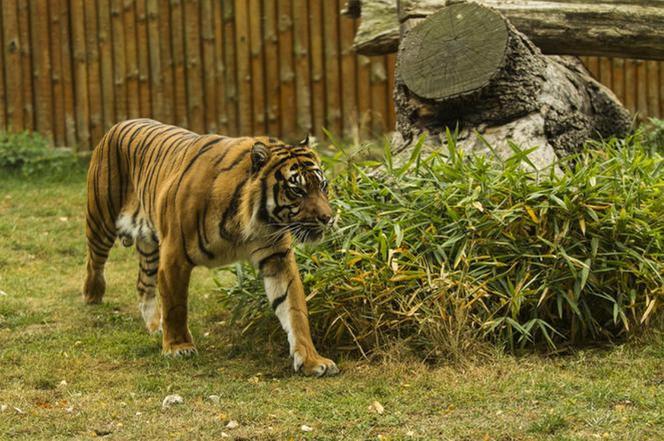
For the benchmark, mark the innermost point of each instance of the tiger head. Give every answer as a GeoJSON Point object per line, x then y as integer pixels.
{"type": "Point", "coordinates": [293, 189]}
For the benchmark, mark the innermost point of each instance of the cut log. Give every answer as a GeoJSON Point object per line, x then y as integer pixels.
{"type": "Point", "coordinates": [631, 29]}
{"type": "Point", "coordinates": [467, 67]}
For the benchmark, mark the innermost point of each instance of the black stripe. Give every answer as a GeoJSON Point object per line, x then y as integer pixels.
{"type": "Point", "coordinates": [153, 199]}
{"type": "Point", "coordinates": [207, 146]}
{"type": "Point", "coordinates": [150, 272]}
{"type": "Point", "coordinates": [145, 253]}
{"type": "Point", "coordinates": [235, 162]}
{"type": "Point", "coordinates": [279, 300]}
{"type": "Point", "coordinates": [230, 212]}
{"type": "Point", "coordinates": [184, 248]}
{"type": "Point", "coordinates": [277, 255]}
{"type": "Point", "coordinates": [271, 245]}
{"type": "Point", "coordinates": [201, 240]}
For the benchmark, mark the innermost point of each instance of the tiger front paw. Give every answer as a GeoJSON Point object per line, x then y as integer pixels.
{"type": "Point", "coordinates": [313, 365]}
{"type": "Point", "coordinates": [179, 350]}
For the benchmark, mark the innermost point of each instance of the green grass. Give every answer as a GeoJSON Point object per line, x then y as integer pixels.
{"type": "Point", "coordinates": [116, 378]}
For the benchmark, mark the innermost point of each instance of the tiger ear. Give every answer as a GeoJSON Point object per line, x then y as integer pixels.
{"type": "Point", "coordinates": [259, 156]}
{"type": "Point", "coordinates": [305, 141]}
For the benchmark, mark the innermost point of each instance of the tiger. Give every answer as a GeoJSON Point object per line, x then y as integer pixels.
{"type": "Point", "coordinates": [186, 200]}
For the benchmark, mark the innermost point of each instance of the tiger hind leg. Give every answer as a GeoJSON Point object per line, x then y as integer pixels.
{"type": "Point", "coordinates": [148, 257]}
{"type": "Point", "coordinates": [100, 239]}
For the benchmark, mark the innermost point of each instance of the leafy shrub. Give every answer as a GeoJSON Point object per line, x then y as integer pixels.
{"type": "Point", "coordinates": [655, 134]}
{"type": "Point", "coordinates": [446, 251]}
{"type": "Point", "coordinates": [30, 154]}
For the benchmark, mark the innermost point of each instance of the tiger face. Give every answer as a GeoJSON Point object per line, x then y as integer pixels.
{"type": "Point", "coordinates": [294, 190]}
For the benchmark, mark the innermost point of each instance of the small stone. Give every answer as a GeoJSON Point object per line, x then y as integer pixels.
{"type": "Point", "coordinates": [139, 413]}
{"type": "Point", "coordinates": [70, 409]}
{"type": "Point", "coordinates": [3, 407]}
{"type": "Point", "coordinates": [410, 433]}
{"type": "Point", "coordinates": [2, 293]}
{"type": "Point", "coordinates": [214, 398]}
{"type": "Point", "coordinates": [232, 424]}
{"type": "Point", "coordinates": [306, 428]}
{"type": "Point", "coordinates": [225, 435]}
{"type": "Point", "coordinates": [172, 400]}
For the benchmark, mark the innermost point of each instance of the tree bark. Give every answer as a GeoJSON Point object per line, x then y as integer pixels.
{"type": "Point", "coordinates": [621, 28]}
{"type": "Point", "coordinates": [466, 67]}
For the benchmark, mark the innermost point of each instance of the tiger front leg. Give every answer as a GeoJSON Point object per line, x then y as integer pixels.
{"type": "Point", "coordinates": [286, 294]}
{"type": "Point", "coordinates": [173, 283]}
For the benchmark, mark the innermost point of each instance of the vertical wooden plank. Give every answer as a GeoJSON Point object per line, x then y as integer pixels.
{"type": "Point", "coordinates": [94, 72]}
{"type": "Point", "coordinates": [630, 85]}
{"type": "Point", "coordinates": [154, 44]}
{"type": "Point", "coordinates": [179, 77]}
{"type": "Point", "coordinates": [42, 66]}
{"type": "Point", "coordinates": [301, 52]}
{"type": "Point", "coordinates": [3, 97]}
{"type": "Point", "coordinates": [66, 63]}
{"type": "Point", "coordinates": [106, 62]}
{"type": "Point", "coordinates": [209, 68]}
{"type": "Point", "coordinates": [219, 67]}
{"type": "Point", "coordinates": [618, 84]}
{"type": "Point", "coordinates": [349, 75]}
{"type": "Point", "coordinates": [364, 95]}
{"type": "Point", "coordinates": [317, 67]}
{"type": "Point", "coordinates": [605, 71]}
{"type": "Point", "coordinates": [641, 89]}
{"type": "Point", "coordinates": [26, 64]}
{"type": "Point", "coordinates": [661, 89]}
{"type": "Point", "coordinates": [12, 63]}
{"type": "Point", "coordinates": [119, 62]}
{"type": "Point", "coordinates": [391, 60]}
{"type": "Point", "coordinates": [378, 94]}
{"type": "Point", "coordinates": [257, 82]}
{"type": "Point", "coordinates": [193, 66]}
{"type": "Point", "coordinates": [593, 67]}
{"type": "Point", "coordinates": [271, 67]}
{"type": "Point", "coordinates": [243, 68]}
{"type": "Point", "coordinates": [144, 100]}
{"type": "Point", "coordinates": [131, 58]}
{"type": "Point", "coordinates": [286, 70]}
{"type": "Point", "coordinates": [332, 67]}
{"type": "Point", "coordinates": [167, 109]}
{"type": "Point", "coordinates": [81, 99]}
{"type": "Point", "coordinates": [57, 77]}
{"type": "Point", "coordinates": [652, 68]}
{"type": "Point", "coordinates": [230, 72]}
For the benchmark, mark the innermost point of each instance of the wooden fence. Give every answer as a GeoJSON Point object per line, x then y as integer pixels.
{"type": "Point", "coordinates": [72, 68]}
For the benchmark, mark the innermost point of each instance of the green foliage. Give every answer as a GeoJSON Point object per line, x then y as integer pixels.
{"type": "Point", "coordinates": [445, 252]}
{"type": "Point", "coordinates": [655, 134]}
{"type": "Point", "coordinates": [29, 154]}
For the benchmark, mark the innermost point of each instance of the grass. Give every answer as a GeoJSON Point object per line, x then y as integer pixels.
{"type": "Point", "coordinates": [83, 372]}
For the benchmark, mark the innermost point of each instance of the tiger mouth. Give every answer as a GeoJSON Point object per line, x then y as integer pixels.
{"type": "Point", "coordinates": [309, 233]}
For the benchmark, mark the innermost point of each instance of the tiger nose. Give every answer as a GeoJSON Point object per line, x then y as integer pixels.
{"type": "Point", "coordinates": [324, 218]}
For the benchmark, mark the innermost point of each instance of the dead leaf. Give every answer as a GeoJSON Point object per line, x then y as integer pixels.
{"type": "Point", "coordinates": [377, 407]}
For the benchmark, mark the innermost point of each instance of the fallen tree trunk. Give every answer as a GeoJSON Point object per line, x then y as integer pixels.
{"type": "Point", "coordinates": [633, 29]}
{"type": "Point", "coordinates": [467, 67]}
